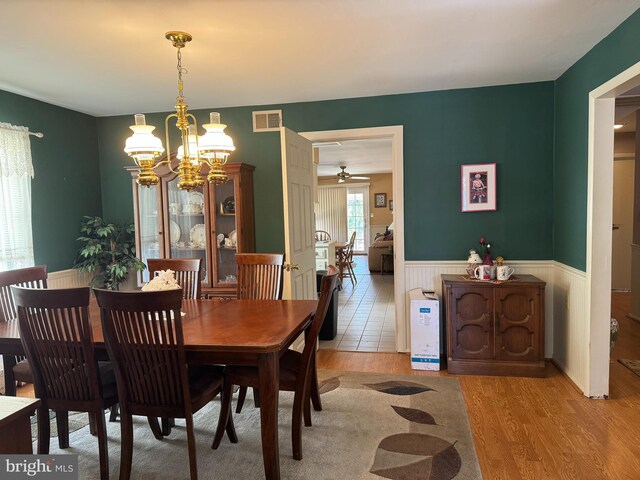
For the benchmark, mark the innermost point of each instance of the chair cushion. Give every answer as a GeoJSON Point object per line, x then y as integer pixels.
{"type": "Point", "coordinates": [108, 380]}
{"type": "Point", "coordinates": [204, 379]}
{"type": "Point", "coordinates": [22, 372]}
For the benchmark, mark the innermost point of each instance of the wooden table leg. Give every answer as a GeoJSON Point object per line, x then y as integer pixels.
{"type": "Point", "coordinates": [269, 381]}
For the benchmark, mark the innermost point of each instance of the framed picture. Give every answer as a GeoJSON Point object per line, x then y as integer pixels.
{"type": "Point", "coordinates": [380, 200]}
{"type": "Point", "coordinates": [391, 205]}
{"type": "Point", "coordinates": [478, 187]}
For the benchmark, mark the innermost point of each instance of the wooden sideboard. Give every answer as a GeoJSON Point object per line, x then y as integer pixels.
{"type": "Point", "coordinates": [15, 424]}
{"type": "Point", "coordinates": [495, 328]}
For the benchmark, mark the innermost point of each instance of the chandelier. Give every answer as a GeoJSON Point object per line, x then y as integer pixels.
{"type": "Point", "coordinates": [211, 149]}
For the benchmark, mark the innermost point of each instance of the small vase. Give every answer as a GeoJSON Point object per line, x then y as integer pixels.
{"type": "Point", "coordinates": [487, 260]}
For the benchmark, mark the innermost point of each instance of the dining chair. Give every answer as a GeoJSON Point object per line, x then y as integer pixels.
{"type": "Point", "coordinates": [297, 372]}
{"type": "Point", "coordinates": [259, 278]}
{"type": "Point", "coordinates": [57, 338]}
{"type": "Point", "coordinates": [323, 236]}
{"type": "Point", "coordinates": [144, 338]}
{"type": "Point", "coordinates": [187, 273]}
{"type": "Point", "coordinates": [16, 367]}
{"type": "Point", "coordinates": [345, 262]}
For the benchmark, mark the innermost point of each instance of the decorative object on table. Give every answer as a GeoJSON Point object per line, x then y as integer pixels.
{"type": "Point", "coordinates": [499, 261]}
{"type": "Point", "coordinates": [504, 272]}
{"type": "Point", "coordinates": [198, 235]}
{"type": "Point", "coordinates": [473, 261]}
{"type": "Point", "coordinates": [478, 187]}
{"type": "Point", "coordinates": [175, 233]}
{"type": "Point", "coordinates": [380, 200]}
{"type": "Point", "coordinates": [163, 280]}
{"type": "Point", "coordinates": [108, 250]}
{"type": "Point", "coordinates": [484, 272]}
{"type": "Point", "coordinates": [228, 206]}
{"type": "Point", "coordinates": [211, 149]}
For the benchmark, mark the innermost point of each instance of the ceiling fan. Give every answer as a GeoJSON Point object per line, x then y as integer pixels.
{"type": "Point", "coordinates": [342, 175]}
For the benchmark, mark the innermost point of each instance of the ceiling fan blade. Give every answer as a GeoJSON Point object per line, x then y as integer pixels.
{"type": "Point", "coordinates": [359, 178]}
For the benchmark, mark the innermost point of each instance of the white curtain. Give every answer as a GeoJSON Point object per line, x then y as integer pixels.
{"type": "Point", "coordinates": [16, 172]}
{"type": "Point", "coordinates": [331, 214]}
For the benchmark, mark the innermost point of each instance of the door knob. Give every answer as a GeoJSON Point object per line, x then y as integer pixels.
{"type": "Point", "coordinates": [291, 266]}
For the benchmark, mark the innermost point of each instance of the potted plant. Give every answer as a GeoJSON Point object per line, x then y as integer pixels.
{"type": "Point", "coordinates": [109, 250]}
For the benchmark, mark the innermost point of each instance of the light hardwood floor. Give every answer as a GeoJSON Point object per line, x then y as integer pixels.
{"type": "Point", "coordinates": [531, 428]}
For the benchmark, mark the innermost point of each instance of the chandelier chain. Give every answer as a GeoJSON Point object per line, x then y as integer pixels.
{"type": "Point", "coordinates": [181, 71]}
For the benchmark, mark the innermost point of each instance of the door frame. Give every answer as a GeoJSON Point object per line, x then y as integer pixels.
{"type": "Point", "coordinates": [366, 211]}
{"type": "Point", "coordinates": [599, 220]}
{"type": "Point", "coordinates": [395, 134]}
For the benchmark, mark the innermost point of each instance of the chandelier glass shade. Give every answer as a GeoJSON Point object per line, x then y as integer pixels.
{"type": "Point", "coordinates": [211, 149]}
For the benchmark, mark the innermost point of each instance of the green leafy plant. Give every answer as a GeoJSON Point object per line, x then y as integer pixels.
{"type": "Point", "coordinates": [108, 250]}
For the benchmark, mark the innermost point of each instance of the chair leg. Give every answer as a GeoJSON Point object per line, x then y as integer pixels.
{"type": "Point", "coordinates": [92, 423]}
{"type": "Point", "coordinates": [62, 422]}
{"type": "Point", "coordinates": [241, 396]}
{"type": "Point", "coordinates": [155, 427]}
{"type": "Point", "coordinates": [8, 362]}
{"type": "Point", "coordinates": [103, 451]}
{"type": "Point", "coordinates": [296, 424]}
{"type": "Point", "coordinates": [256, 397]}
{"type": "Point", "coordinates": [126, 439]}
{"type": "Point", "coordinates": [167, 423]}
{"type": "Point", "coordinates": [225, 416]}
{"type": "Point", "coordinates": [191, 442]}
{"type": "Point", "coordinates": [44, 430]}
{"type": "Point", "coordinates": [113, 416]}
{"type": "Point", "coordinates": [315, 389]}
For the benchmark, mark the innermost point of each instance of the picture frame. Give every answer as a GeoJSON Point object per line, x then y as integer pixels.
{"type": "Point", "coordinates": [478, 187]}
{"type": "Point", "coordinates": [391, 205]}
{"type": "Point", "coordinates": [380, 200]}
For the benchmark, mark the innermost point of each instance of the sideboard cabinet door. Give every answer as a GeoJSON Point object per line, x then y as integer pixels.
{"type": "Point", "coordinates": [472, 322]}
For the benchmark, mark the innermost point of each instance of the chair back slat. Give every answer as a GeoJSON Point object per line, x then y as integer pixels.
{"type": "Point", "coordinates": [260, 276]}
{"type": "Point", "coordinates": [187, 273]}
{"type": "Point", "coordinates": [31, 277]}
{"type": "Point", "coordinates": [143, 331]}
{"type": "Point", "coordinates": [323, 236]}
{"type": "Point", "coordinates": [57, 338]}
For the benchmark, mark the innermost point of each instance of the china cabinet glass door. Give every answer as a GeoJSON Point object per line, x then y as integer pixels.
{"type": "Point", "coordinates": [186, 228]}
{"type": "Point", "coordinates": [149, 226]}
{"type": "Point", "coordinates": [226, 233]}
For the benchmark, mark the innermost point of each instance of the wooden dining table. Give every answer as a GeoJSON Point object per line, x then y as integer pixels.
{"type": "Point", "coordinates": [233, 332]}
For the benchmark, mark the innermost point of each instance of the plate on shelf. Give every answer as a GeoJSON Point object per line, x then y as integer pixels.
{"type": "Point", "coordinates": [175, 232]}
{"type": "Point", "coordinates": [234, 238]}
{"type": "Point", "coordinates": [198, 235]}
{"type": "Point", "coordinates": [194, 203]}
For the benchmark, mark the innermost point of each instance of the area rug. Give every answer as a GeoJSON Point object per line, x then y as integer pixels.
{"type": "Point", "coordinates": [77, 420]}
{"type": "Point", "coordinates": [633, 365]}
{"type": "Point", "coordinates": [372, 426]}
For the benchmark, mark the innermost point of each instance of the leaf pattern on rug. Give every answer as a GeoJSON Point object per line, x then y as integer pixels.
{"type": "Point", "coordinates": [329, 384]}
{"type": "Point", "coordinates": [399, 388]}
{"type": "Point", "coordinates": [415, 415]}
{"type": "Point", "coordinates": [416, 456]}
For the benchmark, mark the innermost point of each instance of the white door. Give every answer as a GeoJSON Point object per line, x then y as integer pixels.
{"type": "Point", "coordinates": [299, 229]}
{"type": "Point", "coordinates": [358, 216]}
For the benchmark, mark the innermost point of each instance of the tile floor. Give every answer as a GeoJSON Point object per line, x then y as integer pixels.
{"type": "Point", "coordinates": [366, 317]}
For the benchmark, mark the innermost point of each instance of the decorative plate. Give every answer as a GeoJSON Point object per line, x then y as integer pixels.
{"type": "Point", "coordinates": [175, 232]}
{"type": "Point", "coordinates": [198, 235]}
{"type": "Point", "coordinates": [234, 237]}
{"type": "Point", "coordinates": [229, 205]}
{"type": "Point", "coordinates": [195, 202]}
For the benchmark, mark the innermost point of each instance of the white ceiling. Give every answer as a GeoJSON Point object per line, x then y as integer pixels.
{"type": "Point", "coordinates": [110, 57]}
{"type": "Point", "coordinates": [359, 156]}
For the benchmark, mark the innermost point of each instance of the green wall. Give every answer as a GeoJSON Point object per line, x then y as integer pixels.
{"type": "Point", "coordinates": [614, 54]}
{"type": "Point", "coordinates": [509, 125]}
{"type": "Point", "coordinates": [66, 185]}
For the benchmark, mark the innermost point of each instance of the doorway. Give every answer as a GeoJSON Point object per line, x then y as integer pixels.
{"type": "Point", "coordinates": [395, 135]}
{"type": "Point", "coordinates": [357, 217]}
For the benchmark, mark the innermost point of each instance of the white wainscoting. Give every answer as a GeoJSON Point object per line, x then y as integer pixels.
{"type": "Point", "coordinates": [571, 323]}
{"type": "Point", "coordinates": [68, 279]}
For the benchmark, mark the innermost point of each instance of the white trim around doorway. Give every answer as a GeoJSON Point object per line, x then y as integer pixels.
{"type": "Point", "coordinates": [395, 133]}
{"type": "Point", "coordinates": [599, 221]}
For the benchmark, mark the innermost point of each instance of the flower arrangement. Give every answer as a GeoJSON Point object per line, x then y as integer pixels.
{"type": "Point", "coordinates": [485, 250]}
{"type": "Point", "coordinates": [164, 280]}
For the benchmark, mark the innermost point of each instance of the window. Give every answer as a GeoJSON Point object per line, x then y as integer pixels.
{"type": "Point", "coordinates": [16, 172]}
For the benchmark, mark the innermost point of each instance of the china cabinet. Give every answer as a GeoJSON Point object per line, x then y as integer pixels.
{"type": "Point", "coordinates": [495, 328]}
{"type": "Point", "coordinates": [213, 222]}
